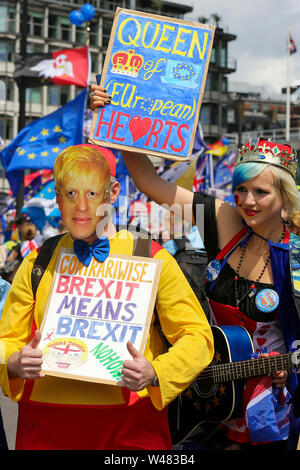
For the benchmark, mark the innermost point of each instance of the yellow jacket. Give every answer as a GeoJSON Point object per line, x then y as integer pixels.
{"type": "Point", "coordinates": [181, 316]}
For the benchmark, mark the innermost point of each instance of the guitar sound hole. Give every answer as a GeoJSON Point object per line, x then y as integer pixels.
{"type": "Point", "coordinates": [204, 388]}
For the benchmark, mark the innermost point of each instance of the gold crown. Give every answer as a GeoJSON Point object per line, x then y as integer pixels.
{"type": "Point", "coordinates": [127, 63]}
{"type": "Point", "coordinates": [264, 151]}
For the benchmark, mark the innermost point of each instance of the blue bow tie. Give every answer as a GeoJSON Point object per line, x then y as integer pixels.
{"type": "Point", "coordinates": [99, 249]}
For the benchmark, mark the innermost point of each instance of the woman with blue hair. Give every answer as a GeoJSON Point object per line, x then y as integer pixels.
{"type": "Point", "coordinates": [248, 277]}
{"type": "Point", "coordinates": [248, 281]}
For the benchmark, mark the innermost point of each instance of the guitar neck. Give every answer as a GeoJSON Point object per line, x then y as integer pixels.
{"type": "Point", "coordinates": [249, 368]}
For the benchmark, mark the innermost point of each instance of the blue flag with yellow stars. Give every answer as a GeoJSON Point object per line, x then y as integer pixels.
{"type": "Point", "coordinates": [38, 144]}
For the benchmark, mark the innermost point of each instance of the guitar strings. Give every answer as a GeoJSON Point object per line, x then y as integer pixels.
{"type": "Point", "coordinates": [255, 367]}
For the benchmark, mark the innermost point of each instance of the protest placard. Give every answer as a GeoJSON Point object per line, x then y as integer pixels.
{"type": "Point", "coordinates": [93, 311]}
{"type": "Point", "coordinates": [155, 71]}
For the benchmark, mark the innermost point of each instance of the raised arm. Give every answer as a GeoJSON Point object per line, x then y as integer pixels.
{"type": "Point", "coordinates": [175, 198]}
{"type": "Point", "coordinates": [144, 174]}
{"type": "Point", "coordinates": [170, 195]}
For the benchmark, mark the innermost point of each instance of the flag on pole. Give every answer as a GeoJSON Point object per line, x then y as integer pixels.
{"type": "Point", "coordinates": [182, 173]}
{"type": "Point", "coordinates": [219, 148]}
{"type": "Point", "coordinates": [223, 170]}
{"type": "Point", "coordinates": [41, 206]}
{"type": "Point", "coordinates": [38, 144]}
{"type": "Point", "coordinates": [201, 171]}
{"type": "Point", "coordinates": [64, 67]}
{"type": "Point", "coordinates": [292, 45]}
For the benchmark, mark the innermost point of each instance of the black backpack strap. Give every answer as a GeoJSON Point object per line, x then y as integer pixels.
{"type": "Point", "coordinates": [42, 260]}
{"type": "Point", "coordinates": [294, 261]}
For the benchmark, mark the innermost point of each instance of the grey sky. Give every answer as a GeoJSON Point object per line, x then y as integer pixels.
{"type": "Point", "coordinates": [262, 29]}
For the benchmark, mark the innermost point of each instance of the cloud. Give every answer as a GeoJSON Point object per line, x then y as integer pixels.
{"type": "Point", "coordinates": [262, 29]}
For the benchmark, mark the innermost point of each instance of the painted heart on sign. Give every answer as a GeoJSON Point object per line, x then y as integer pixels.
{"type": "Point", "coordinates": [139, 127]}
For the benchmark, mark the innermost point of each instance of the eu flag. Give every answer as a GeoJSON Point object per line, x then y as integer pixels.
{"type": "Point", "coordinates": [38, 144]}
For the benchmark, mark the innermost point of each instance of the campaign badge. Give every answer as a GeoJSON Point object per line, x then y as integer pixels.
{"type": "Point", "coordinates": [267, 300]}
{"type": "Point", "coordinates": [213, 270]}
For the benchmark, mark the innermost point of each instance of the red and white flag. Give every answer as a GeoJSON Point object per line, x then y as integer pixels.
{"type": "Point", "coordinates": [64, 67]}
{"type": "Point", "coordinates": [292, 45]}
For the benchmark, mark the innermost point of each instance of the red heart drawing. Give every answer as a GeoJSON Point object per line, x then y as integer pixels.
{"type": "Point", "coordinates": [139, 127]}
{"type": "Point", "coordinates": [261, 341]}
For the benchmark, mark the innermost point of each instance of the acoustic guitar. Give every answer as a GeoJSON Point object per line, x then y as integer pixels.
{"type": "Point", "coordinates": [216, 395]}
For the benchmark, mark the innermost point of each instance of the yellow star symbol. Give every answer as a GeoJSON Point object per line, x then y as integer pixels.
{"type": "Point", "coordinates": [32, 139]}
{"type": "Point", "coordinates": [31, 156]}
{"type": "Point", "coordinates": [216, 401]}
{"type": "Point", "coordinates": [42, 194]}
{"type": "Point", "coordinates": [218, 356]}
{"type": "Point", "coordinates": [45, 132]}
{"type": "Point", "coordinates": [207, 407]}
{"type": "Point", "coordinates": [21, 152]}
{"type": "Point", "coordinates": [44, 154]}
{"type": "Point", "coordinates": [57, 129]}
{"type": "Point", "coordinates": [49, 190]}
{"type": "Point", "coordinates": [56, 149]}
{"type": "Point", "coordinates": [62, 140]}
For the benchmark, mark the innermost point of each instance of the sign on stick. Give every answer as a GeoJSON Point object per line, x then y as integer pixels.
{"type": "Point", "coordinates": [155, 71]}
{"type": "Point", "coordinates": [93, 311]}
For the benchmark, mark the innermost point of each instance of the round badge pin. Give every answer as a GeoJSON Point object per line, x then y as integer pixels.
{"type": "Point", "coordinates": [267, 300]}
{"type": "Point", "coordinates": [213, 270]}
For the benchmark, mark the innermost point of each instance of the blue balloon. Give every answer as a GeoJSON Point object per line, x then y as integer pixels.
{"type": "Point", "coordinates": [76, 17]}
{"type": "Point", "coordinates": [88, 11]}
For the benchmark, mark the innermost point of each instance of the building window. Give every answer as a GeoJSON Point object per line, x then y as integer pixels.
{"type": "Point", "coordinates": [81, 35]}
{"type": "Point", "coordinates": [33, 95]}
{"type": "Point", "coordinates": [59, 27]}
{"type": "Point", "coordinates": [230, 116]}
{"type": "Point", "coordinates": [58, 95]}
{"type": "Point", "coordinates": [35, 24]}
{"type": "Point", "coordinates": [205, 115]}
{"type": "Point", "coordinates": [213, 55]}
{"type": "Point", "coordinates": [95, 62]}
{"type": "Point", "coordinates": [2, 90]}
{"type": "Point", "coordinates": [7, 19]}
{"type": "Point", "coordinates": [6, 128]}
{"type": "Point", "coordinates": [214, 82]}
{"type": "Point", "coordinates": [106, 29]}
{"type": "Point", "coordinates": [34, 47]}
{"type": "Point", "coordinates": [6, 51]}
{"type": "Point", "coordinates": [224, 55]}
{"type": "Point", "coordinates": [254, 107]}
{"type": "Point", "coordinates": [6, 90]}
{"type": "Point", "coordinates": [215, 114]}
{"type": "Point", "coordinates": [207, 84]}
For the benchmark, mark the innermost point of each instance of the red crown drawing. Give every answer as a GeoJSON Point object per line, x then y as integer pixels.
{"type": "Point", "coordinates": [127, 63]}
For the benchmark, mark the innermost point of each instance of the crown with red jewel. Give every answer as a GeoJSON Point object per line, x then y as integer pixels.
{"type": "Point", "coordinates": [127, 63]}
{"type": "Point", "coordinates": [264, 151]}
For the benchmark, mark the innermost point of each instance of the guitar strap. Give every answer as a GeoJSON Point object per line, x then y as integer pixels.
{"type": "Point", "coordinates": [294, 261]}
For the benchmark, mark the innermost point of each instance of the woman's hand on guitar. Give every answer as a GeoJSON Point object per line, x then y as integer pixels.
{"type": "Point", "coordinates": [279, 377]}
